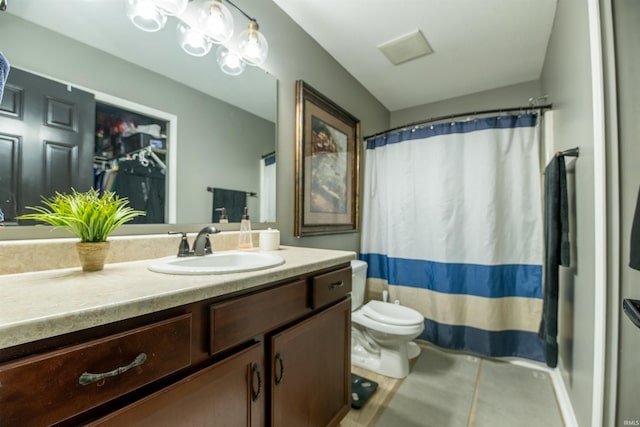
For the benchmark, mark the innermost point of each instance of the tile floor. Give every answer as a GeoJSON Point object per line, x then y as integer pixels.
{"type": "Point", "coordinates": [452, 389]}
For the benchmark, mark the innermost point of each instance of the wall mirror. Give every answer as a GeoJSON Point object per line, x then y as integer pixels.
{"type": "Point", "coordinates": [220, 127]}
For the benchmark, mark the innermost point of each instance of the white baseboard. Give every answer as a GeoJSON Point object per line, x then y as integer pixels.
{"type": "Point", "coordinates": [562, 395]}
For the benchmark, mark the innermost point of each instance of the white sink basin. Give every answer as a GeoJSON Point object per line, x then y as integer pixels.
{"type": "Point", "coordinates": [216, 263]}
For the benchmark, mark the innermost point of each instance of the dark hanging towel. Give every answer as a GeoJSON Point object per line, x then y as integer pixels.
{"type": "Point", "coordinates": [634, 257]}
{"type": "Point", "coordinates": [144, 186]}
{"type": "Point", "coordinates": [232, 200]}
{"type": "Point", "coordinates": [269, 159]}
{"type": "Point", "coordinates": [557, 251]}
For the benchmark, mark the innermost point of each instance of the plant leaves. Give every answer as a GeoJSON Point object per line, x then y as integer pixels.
{"type": "Point", "coordinates": [88, 215]}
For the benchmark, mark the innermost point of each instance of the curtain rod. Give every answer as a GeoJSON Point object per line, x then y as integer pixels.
{"type": "Point", "coordinates": [454, 116]}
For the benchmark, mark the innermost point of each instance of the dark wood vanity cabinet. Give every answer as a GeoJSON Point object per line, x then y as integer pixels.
{"type": "Point", "coordinates": [44, 389]}
{"type": "Point", "coordinates": [228, 393]}
{"type": "Point", "coordinates": [311, 378]}
{"type": "Point", "coordinates": [275, 356]}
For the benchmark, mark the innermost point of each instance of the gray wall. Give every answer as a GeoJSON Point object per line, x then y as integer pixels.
{"type": "Point", "coordinates": [626, 15]}
{"type": "Point", "coordinates": [567, 78]}
{"type": "Point", "coordinates": [294, 55]}
{"type": "Point", "coordinates": [508, 96]}
{"type": "Point", "coordinates": [210, 149]}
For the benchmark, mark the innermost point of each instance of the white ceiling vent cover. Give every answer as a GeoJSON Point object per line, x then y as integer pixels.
{"type": "Point", "coordinates": [406, 48]}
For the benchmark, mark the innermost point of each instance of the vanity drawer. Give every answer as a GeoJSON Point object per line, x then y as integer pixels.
{"type": "Point", "coordinates": [47, 388]}
{"type": "Point", "coordinates": [239, 320]}
{"type": "Point", "coordinates": [329, 287]}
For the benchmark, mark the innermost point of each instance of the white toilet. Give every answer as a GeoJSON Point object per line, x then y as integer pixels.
{"type": "Point", "coordinates": [381, 332]}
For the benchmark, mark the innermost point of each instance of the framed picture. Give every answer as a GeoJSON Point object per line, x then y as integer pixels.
{"type": "Point", "coordinates": [327, 165]}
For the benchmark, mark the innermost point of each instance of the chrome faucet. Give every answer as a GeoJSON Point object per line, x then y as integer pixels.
{"type": "Point", "coordinates": [201, 245]}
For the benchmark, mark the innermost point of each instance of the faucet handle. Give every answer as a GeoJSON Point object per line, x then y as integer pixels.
{"type": "Point", "coordinates": [183, 248]}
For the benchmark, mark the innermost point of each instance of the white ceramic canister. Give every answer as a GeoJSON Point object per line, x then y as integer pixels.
{"type": "Point", "coordinates": [269, 240]}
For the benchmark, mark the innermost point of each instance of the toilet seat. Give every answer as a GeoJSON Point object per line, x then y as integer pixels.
{"type": "Point", "coordinates": [392, 314]}
{"type": "Point", "coordinates": [369, 319]}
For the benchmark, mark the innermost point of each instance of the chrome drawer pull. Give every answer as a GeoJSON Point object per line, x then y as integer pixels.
{"type": "Point", "coordinates": [87, 378]}
{"type": "Point", "coordinates": [336, 285]}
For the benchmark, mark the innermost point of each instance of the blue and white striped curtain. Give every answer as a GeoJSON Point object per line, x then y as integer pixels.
{"type": "Point", "coordinates": [452, 224]}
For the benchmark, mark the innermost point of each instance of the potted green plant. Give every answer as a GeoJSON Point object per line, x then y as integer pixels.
{"type": "Point", "coordinates": [88, 215]}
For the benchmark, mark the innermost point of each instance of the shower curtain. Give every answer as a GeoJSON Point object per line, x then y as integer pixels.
{"type": "Point", "coordinates": [452, 225]}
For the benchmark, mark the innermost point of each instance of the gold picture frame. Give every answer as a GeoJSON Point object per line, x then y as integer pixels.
{"type": "Point", "coordinates": [327, 165]}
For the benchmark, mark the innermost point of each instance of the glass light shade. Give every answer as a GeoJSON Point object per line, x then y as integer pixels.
{"type": "Point", "coordinates": [216, 20]}
{"type": "Point", "coordinates": [192, 41]}
{"type": "Point", "coordinates": [253, 46]}
{"type": "Point", "coordinates": [230, 62]}
{"type": "Point", "coordinates": [145, 15]}
{"type": "Point", "coordinates": [171, 7]}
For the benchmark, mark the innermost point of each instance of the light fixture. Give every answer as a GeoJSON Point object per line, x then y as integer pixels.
{"type": "Point", "coordinates": [151, 15]}
{"type": "Point", "coordinates": [171, 7]}
{"type": "Point", "coordinates": [193, 41]}
{"type": "Point", "coordinates": [229, 61]}
{"type": "Point", "coordinates": [253, 46]}
{"type": "Point", "coordinates": [203, 23]}
{"type": "Point", "coordinates": [145, 15]}
{"type": "Point", "coordinates": [216, 20]}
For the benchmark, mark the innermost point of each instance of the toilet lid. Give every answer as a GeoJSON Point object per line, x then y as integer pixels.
{"type": "Point", "coordinates": [391, 314]}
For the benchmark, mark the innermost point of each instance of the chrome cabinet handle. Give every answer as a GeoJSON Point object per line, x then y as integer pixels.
{"type": "Point", "coordinates": [281, 365]}
{"type": "Point", "coordinates": [87, 378]}
{"type": "Point", "coordinates": [336, 285]}
{"type": "Point", "coordinates": [255, 373]}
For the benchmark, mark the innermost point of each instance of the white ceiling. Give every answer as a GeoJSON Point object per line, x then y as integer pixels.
{"type": "Point", "coordinates": [478, 44]}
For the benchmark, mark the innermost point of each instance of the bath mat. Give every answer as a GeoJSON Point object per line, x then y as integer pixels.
{"type": "Point", "coordinates": [361, 390]}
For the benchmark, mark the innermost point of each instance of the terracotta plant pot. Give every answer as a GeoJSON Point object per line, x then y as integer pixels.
{"type": "Point", "coordinates": [92, 255]}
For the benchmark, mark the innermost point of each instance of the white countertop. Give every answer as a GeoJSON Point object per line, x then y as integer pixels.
{"type": "Point", "coordinates": [48, 303]}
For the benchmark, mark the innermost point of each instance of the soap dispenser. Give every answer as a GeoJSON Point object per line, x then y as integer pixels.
{"type": "Point", "coordinates": [245, 241]}
{"type": "Point", "coordinates": [223, 216]}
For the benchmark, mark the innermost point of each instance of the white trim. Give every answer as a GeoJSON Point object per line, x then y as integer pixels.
{"type": "Point", "coordinates": [613, 210]}
{"type": "Point", "coordinates": [172, 149]}
{"type": "Point", "coordinates": [564, 401]}
{"type": "Point", "coordinates": [600, 216]}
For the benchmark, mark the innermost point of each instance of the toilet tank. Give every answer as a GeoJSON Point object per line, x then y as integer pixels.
{"type": "Point", "coordinates": [358, 282]}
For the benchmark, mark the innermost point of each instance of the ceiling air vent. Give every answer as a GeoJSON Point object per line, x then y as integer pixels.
{"type": "Point", "coordinates": [406, 48]}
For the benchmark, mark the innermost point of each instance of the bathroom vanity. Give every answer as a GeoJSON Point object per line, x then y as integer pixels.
{"type": "Point", "coordinates": [128, 346]}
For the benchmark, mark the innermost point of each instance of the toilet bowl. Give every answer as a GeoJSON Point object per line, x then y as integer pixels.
{"type": "Point", "coordinates": [381, 332]}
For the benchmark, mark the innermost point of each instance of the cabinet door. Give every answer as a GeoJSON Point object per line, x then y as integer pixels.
{"type": "Point", "coordinates": [228, 393]}
{"type": "Point", "coordinates": [311, 369]}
